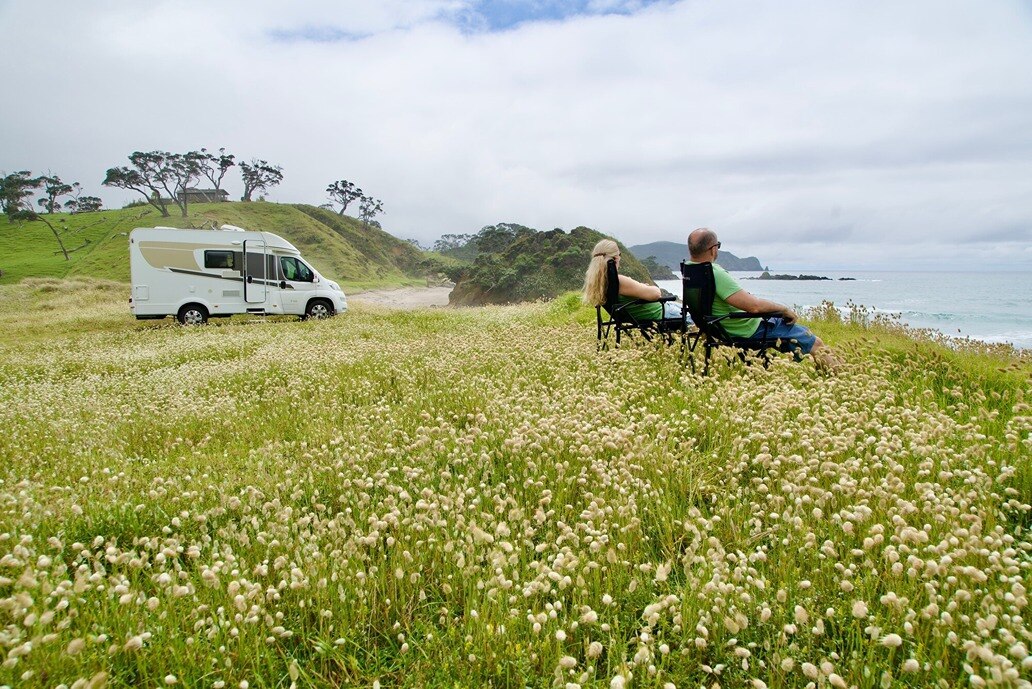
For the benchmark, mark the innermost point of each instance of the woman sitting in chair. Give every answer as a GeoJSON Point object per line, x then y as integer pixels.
{"type": "Point", "coordinates": [596, 287]}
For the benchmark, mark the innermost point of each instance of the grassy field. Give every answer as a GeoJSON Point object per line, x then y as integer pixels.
{"type": "Point", "coordinates": [340, 247]}
{"type": "Point", "coordinates": [478, 498]}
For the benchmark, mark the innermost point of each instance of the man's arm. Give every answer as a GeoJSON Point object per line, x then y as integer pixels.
{"type": "Point", "coordinates": [751, 304]}
{"type": "Point", "coordinates": [629, 287]}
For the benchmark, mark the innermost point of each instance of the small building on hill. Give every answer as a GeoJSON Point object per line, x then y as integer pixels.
{"type": "Point", "coordinates": [204, 195]}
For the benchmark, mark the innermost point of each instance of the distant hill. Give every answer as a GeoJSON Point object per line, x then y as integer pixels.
{"type": "Point", "coordinates": [338, 246]}
{"type": "Point", "coordinates": [522, 264]}
{"type": "Point", "coordinates": [671, 254]}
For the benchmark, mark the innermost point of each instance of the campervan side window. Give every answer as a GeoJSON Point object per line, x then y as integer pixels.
{"type": "Point", "coordinates": [224, 260]}
{"type": "Point", "coordinates": [296, 270]}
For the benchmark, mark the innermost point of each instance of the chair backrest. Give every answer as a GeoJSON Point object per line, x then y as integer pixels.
{"type": "Point", "coordinates": [612, 286]}
{"type": "Point", "coordinates": [698, 289]}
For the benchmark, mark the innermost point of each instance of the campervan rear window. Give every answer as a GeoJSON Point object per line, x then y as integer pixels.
{"type": "Point", "coordinates": [220, 259]}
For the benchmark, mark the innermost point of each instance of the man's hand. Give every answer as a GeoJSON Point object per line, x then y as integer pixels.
{"type": "Point", "coordinates": [789, 317]}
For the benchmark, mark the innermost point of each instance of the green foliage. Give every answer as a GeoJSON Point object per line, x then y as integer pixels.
{"type": "Point", "coordinates": [84, 204]}
{"type": "Point", "coordinates": [259, 175]}
{"type": "Point", "coordinates": [657, 270]}
{"type": "Point", "coordinates": [153, 173]}
{"type": "Point", "coordinates": [343, 192]}
{"type": "Point", "coordinates": [214, 167]}
{"type": "Point", "coordinates": [15, 189]}
{"type": "Point", "coordinates": [457, 246]}
{"type": "Point", "coordinates": [514, 263]}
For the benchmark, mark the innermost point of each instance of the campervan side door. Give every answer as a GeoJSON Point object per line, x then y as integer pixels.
{"type": "Point", "coordinates": [256, 271]}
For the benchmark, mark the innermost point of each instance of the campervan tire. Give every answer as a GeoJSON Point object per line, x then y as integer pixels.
{"type": "Point", "coordinates": [318, 308]}
{"type": "Point", "coordinates": [193, 314]}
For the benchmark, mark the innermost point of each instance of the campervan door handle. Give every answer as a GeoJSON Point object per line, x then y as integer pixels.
{"type": "Point", "coordinates": [282, 284]}
{"type": "Point", "coordinates": [250, 279]}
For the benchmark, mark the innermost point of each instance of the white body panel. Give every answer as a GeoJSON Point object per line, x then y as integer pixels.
{"type": "Point", "coordinates": [225, 272]}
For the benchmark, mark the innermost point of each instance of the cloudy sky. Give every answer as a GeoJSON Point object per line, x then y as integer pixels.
{"type": "Point", "coordinates": [867, 134]}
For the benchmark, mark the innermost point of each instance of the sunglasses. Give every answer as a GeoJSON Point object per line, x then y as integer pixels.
{"type": "Point", "coordinates": [714, 246]}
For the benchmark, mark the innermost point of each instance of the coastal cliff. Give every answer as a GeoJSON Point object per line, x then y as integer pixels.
{"type": "Point", "coordinates": [672, 253]}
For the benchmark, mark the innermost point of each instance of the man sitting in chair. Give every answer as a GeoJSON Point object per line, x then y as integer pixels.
{"type": "Point", "coordinates": [703, 247]}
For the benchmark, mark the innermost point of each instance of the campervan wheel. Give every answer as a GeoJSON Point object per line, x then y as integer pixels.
{"type": "Point", "coordinates": [318, 308]}
{"type": "Point", "coordinates": [193, 314]}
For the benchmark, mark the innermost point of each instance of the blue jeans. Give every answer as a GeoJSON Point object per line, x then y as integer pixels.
{"type": "Point", "coordinates": [793, 337]}
{"type": "Point", "coordinates": [672, 309]}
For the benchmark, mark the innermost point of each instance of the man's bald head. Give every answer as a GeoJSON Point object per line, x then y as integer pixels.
{"type": "Point", "coordinates": [700, 241]}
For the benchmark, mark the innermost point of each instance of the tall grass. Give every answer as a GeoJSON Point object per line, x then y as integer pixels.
{"type": "Point", "coordinates": [478, 497]}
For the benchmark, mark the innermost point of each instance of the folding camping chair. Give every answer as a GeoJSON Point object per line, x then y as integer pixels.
{"type": "Point", "coordinates": [699, 289]}
{"type": "Point", "coordinates": [618, 319]}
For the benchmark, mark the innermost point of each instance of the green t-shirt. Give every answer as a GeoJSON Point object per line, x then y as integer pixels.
{"type": "Point", "coordinates": [726, 286]}
{"type": "Point", "coordinates": [651, 311]}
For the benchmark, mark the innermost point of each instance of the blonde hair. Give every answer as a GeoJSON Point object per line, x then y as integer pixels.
{"type": "Point", "coordinates": [595, 277]}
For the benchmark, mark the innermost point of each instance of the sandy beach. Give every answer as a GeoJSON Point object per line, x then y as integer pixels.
{"type": "Point", "coordinates": [404, 297]}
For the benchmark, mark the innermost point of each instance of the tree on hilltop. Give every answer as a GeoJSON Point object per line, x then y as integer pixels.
{"type": "Point", "coordinates": [147, 176]}
{"type": "Point", "coordinates": [15, 188]}
{"type": "Point", "coordinates": [458, 246]}
{"type": "Point", "coordinates": [215, 166]}
{"type": "Point", "coordinates": [187, 168]}
{"type": "Point", "coordinates": [369, 208]}
{"type": "Point", "coordinates": [155, 172]}
{"type": "Point", "coordinates": [494, 239]}
{"type": "Point", "coordinates": [259, 175]}
{"type": "Point", "coordinates": [82, 204]}
{"type": "Point", "coordinates": [344, 193]}
{"type": "Point", "coordinates": [53, 189]}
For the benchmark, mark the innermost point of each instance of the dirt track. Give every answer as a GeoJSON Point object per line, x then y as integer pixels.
{"type": "Point", "coordinates": [404, 297]}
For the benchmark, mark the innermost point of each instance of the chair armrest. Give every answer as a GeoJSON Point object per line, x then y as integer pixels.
{"type": "Point", "coordinates": [636, 302]}
{"type": "Point", "coordinates": [623, 305]}
{"type": "Point", "coordinates": [746, 314]}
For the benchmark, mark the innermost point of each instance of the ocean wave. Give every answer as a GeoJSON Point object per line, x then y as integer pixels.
{"type": "Point", "coordinates": [1006, 319]}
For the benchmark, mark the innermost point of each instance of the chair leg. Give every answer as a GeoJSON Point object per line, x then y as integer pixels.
{"type": "Point", "coordinates": [603, 338]}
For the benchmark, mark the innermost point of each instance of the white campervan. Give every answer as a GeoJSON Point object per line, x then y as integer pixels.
{"type": "Point", "coordinates": [195, 275]}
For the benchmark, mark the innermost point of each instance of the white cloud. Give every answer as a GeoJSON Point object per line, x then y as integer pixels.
{"type": "Point", "coordinates": [885, 134]}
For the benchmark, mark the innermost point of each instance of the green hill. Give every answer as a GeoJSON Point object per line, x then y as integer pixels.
{"type": "Point", "coordinates": [531, 265]}
{"type": "Point", "coordinates": [339, 246]}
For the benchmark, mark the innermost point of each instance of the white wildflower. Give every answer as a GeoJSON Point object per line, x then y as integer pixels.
{"type": "Point", "coordinates": [891, 641]}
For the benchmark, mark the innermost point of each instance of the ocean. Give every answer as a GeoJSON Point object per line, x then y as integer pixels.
{"type": "Point", "coordinates": [992, 307]}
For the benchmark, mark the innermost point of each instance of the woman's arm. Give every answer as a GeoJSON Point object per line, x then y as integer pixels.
{"type": "Point", "coordinates": [629, 287]}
